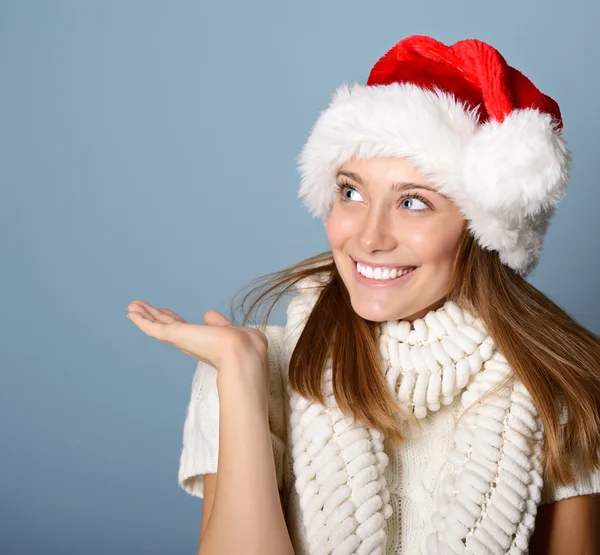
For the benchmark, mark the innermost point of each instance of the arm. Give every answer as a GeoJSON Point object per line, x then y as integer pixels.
{"type": "Point", "coordinates": [210, 483]}
{"type": "Point", "coordinates": [568, 526]}
{"type": "Point", "coordinates": [247, 469]}
{"type": "Point", "coordinates": [246, 516]}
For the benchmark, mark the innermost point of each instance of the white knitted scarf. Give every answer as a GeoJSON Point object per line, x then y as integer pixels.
{"type": "Point", "coordinates": [489, 498]}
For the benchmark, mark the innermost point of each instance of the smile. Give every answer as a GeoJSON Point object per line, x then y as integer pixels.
{"type": "Point", "coordinates": [381, 277]}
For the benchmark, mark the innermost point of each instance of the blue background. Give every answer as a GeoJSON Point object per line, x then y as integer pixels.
{"type": "Point", "coordinates": [147, 150]}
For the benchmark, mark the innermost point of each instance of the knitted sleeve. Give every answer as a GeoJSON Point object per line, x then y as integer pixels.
{"type": "Point", "coordinates": [200, 451]}
{"type": "Point", "coordinates": [586, 483]}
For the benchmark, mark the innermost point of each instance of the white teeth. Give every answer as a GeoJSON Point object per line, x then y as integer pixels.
{"type": "Point", "coordinates": [381, 273]}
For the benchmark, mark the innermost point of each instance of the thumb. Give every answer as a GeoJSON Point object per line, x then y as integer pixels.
{"type": "Point", "coordinates": [215, 318]}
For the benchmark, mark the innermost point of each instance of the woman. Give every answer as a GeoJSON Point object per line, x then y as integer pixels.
{"type": "Point", "coordinates": [422, 396]}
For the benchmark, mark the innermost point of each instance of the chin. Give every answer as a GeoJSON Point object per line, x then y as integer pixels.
{"type": "Point", "coordinates": [373, 314]}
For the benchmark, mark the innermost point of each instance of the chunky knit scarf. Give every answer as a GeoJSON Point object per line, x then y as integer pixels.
{"type": "Point", "coordinates": [489, 498]}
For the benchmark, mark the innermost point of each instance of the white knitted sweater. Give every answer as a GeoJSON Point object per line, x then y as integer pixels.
{"type": "Point", "coordinates": [472, 486]}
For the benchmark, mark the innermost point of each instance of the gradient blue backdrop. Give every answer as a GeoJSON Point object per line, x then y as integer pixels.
{"type": "Point", "coordinates": [147, 150]}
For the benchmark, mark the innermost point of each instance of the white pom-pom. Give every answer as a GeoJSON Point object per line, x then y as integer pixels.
{"type": "Point", "coordinates": [516, 167]}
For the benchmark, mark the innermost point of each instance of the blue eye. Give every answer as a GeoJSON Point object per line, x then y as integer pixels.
{"type": "Point", "coordinates": [412, 197]}
{"type": "Point", "coordinates": [341, 189]}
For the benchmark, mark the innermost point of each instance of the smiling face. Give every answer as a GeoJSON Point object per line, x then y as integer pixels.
{"type": "Point", "coordinates": [387, 216]}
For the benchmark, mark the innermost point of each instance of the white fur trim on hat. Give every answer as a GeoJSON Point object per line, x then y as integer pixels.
{"type": "Point", "coordinates": [506, 178]}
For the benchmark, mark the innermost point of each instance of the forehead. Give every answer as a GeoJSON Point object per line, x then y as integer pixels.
{"type": "Point", "coordinates": [383, 168]}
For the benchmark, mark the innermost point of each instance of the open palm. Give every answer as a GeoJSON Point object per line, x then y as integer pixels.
{"type": "Point", "coordinates": [208, 343]}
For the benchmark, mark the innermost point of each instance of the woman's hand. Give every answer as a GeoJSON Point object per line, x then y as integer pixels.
{"type": "Point", "coordinates": [214, 343]}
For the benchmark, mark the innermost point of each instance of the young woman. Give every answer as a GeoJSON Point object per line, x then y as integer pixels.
{"type": "Point", "coordinates": [422, 397]}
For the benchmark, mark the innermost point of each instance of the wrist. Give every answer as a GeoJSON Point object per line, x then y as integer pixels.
{"type": "Point", "coordinates": [244, 379]}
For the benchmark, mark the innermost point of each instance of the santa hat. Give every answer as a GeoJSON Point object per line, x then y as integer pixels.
{"type": "Point", "coordinates": [476, 127]}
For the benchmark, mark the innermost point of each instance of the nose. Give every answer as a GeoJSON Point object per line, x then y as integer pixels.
{"type": "Point", "coordinates": [375, 233]}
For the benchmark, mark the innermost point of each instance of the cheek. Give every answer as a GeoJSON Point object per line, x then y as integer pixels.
{"type": "Point", "coordinates": [434, 243]}
{"type": "Point", "coordinates": [339, 228]}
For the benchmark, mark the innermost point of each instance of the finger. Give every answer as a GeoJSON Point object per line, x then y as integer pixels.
{"type": "Point", "coordinates": [155, 323]}
{"type": "Point", "coordinates": [140, 313]}
{"type": "Point", "coordinates": [173, 315]}
{"type": "Point", "coordinates": [148, 324]}
{"type": "Point", "coordinates": [153, 329]}
{"type": "Point", "coordinates": [188, 338]}
{"type": "Point", "coordinates": [141, 308]}
{"type": "Point", "coordinates": [138, 305]}
{"type": "Point", "coordinates": [202, 340]}
{"type": "Point", "coordinates": [162, 315]}
{"type": "Point", "coordinates": [215, 318]}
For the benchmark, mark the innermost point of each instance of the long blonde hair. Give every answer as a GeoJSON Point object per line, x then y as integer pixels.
{"type": "Point", "coordinates": [547, 349]}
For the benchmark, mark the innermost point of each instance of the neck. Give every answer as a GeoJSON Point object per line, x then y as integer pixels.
{"type": "Point", "coordinates": [423, 312]}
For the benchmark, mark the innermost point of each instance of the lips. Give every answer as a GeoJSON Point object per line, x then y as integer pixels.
{"type": "Point", "coordinates": [383, 265]}
{"type": "Point", "coordinates": [370, 282]}
{"type": "Point", "coordinates": [383, 274]}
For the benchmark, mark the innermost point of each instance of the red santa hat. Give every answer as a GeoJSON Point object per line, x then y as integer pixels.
{"type": "Point", "coordinates": [476, 127]}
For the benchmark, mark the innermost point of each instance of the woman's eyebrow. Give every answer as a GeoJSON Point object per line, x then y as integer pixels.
{"type": "Point", "coordinates": [395, 187]}
{"type": "Point", "coordinates": [402, 186]}
{"type": "Point", "coordinates": [351, 175]}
